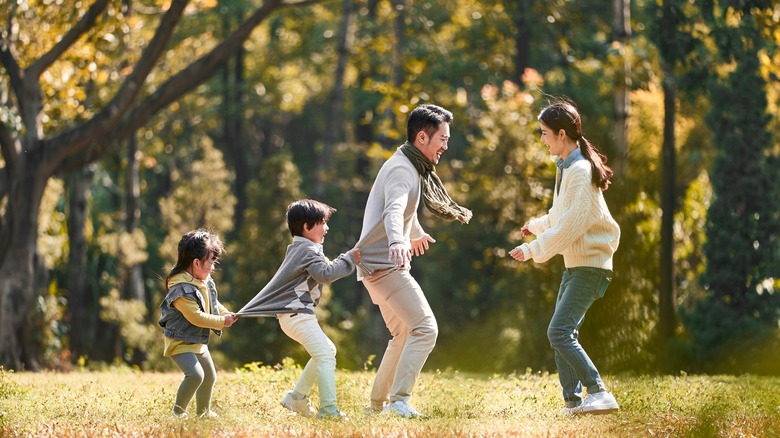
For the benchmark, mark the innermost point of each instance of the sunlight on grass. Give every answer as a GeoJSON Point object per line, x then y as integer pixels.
{"type": "Point", "coordinates": [122, 402]}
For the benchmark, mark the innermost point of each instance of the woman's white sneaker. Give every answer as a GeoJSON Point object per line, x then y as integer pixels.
{"type": "Point", "coordinates": [598, 403]}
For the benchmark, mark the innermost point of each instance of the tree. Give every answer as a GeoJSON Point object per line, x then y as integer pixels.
{"type": "Point", "coordinates": [33, 153]}
{"type": "Point", "coordinates": [740, 309]}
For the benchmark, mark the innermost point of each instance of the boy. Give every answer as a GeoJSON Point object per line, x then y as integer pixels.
{"type": "Point", "coordinates": [291, 296]}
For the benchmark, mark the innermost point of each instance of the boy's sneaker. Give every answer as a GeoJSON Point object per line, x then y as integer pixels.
{"type": "Point", "coordinates": [402, 409]}
{"type": "Point", "coordinates": [302, 406]}
{"type": "Point", "coordinates": [569, 411]}
{"type": "Point", "coordinates": [598, 403]}
{"type": "Point", "coordinates": [571, 408]}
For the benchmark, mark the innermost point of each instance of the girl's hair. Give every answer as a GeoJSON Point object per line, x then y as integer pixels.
{"type": "Point", "coordinates": [564, 115]}
{"type": "Point", "coordinates": [309, 212]}
{"type": "Point", "coordinates": [198, 244]}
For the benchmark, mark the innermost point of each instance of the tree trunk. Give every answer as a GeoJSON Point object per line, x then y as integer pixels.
{"type": "Point", "coordinates": [17, 272]}
{"type": "Point", "coordinates": [621, 40]}
{"type": "Point", "coordinates": [135, 279]}
{"type": "Point", "coordinates": [81, 325]}
{"type": "Point", "coordinates": [666, 296]}
{"type": "Point", "coordinates": [397, 66]}
{"type": "Point", "coordinates": [522, 17]}
{"type": "Point", "coordinates": [335, 112]}
{"type": "Point", "coordinates": [234, 139]}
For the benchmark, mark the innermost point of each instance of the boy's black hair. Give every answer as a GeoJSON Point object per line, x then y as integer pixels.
{"type": "Point", "coordinates": [309, 212]}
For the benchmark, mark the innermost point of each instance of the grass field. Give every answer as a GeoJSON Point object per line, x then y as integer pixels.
{"type": "Point", "coordinates": [122, 402]}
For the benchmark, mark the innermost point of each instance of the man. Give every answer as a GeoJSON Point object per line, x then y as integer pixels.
{"type": "Point", "coordinates": [391, 235]}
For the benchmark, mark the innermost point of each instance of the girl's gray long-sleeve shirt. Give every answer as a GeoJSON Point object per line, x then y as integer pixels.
{"type": "Point", "coordinates": [297, 285]}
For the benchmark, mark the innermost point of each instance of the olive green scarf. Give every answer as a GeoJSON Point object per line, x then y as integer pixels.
{"type": "Point", "coordinates": [435, 196]}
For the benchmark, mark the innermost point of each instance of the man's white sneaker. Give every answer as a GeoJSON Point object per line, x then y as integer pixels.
{"type": "Point", "coordinates": [402, 409]}
{"type": "Point", "coordinates": [598, 403]}
{"type": "Point", "coordinates": [302, 406]}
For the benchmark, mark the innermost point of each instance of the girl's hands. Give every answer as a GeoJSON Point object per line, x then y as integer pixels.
{"type": "Point", "coordinates": [525, 232]}
{"type": "Point", "coordinates": [230, 318]}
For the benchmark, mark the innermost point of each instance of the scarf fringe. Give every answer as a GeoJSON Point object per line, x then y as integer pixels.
{"type": "Point", "coordinates": [435, 196]}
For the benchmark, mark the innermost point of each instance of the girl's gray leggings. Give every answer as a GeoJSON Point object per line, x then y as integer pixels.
{"type": "Point", "coordinates": [199, 378]}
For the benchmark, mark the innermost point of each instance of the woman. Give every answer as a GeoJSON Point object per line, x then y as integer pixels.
{"type": "Point", "coordinates": [580, 227]}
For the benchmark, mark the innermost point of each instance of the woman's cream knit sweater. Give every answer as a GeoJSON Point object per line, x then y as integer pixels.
{"type": "Point", "coordinates": [578, 226]}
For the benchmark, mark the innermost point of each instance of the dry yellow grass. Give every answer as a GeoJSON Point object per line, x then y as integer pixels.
{"type": "Point", "coordinates": [122, 402]}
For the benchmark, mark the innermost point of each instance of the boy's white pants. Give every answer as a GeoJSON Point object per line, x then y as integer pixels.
{"type": "Point", "coordinates": [304, 329]}
{"type": "Point", "coordinates": [413, 327]}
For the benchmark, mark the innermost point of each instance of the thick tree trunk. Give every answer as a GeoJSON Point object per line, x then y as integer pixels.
{"type": "Point", "coordinates": [17, 268]}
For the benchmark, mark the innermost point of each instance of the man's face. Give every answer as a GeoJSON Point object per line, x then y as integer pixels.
{"type": "Point", "coordinates": [434, 146]}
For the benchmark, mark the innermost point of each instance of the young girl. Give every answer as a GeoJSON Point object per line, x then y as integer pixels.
{"type": "Point", "coordinates": [190, 311]}
{"type": "Point", "coordinates": [580, 227]}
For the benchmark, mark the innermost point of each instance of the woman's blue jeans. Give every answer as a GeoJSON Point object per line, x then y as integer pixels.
{"type": "Point", "coordinates": [580, 288]}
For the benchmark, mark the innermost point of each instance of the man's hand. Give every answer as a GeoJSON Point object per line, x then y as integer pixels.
{"type": "Point", "coordinates": [400, 255]}
{"type": "Point", "coordinates": [420, 245]}
{"type": "Point", "coordinates": [517, 254]}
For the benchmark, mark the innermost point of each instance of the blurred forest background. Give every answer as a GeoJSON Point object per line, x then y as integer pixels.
{"type": "Point", "coordinates": [125, 123]}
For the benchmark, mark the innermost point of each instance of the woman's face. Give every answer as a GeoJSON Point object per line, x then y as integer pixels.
{"type": "Point", "coordinates": [552, 139]}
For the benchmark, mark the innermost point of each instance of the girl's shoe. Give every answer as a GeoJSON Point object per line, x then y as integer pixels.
{"type": "Point", "coordinates": [180, 415]}
{"type": "Point", "coordinates": [209, 414]}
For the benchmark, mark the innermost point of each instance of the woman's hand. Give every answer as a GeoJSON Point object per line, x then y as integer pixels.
{"type": "Point", "coordinates": [517, 254]}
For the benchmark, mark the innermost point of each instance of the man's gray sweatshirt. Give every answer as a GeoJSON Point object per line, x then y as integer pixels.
{"type": "Point", "coordinates": [391, 214]}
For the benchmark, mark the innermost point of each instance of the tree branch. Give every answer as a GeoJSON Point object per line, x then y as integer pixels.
{"type": "Point", "coordinates": [84, 24]}
{"type": "Point", "coordinates": [175, 87]}
{"type": "Point", "coordinates": [11, 66]}
{"type": "Point", "coordinates": [77, 143]}
{"type": "Point", "coordinates": [300, 3]}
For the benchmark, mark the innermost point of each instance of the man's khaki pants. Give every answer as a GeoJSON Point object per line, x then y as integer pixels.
{"type": "Point", "coordinates": [412, 325]}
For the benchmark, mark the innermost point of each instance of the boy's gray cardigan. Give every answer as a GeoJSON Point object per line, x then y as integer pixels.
{"type": "Point", "coordinates": [297, 285]}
